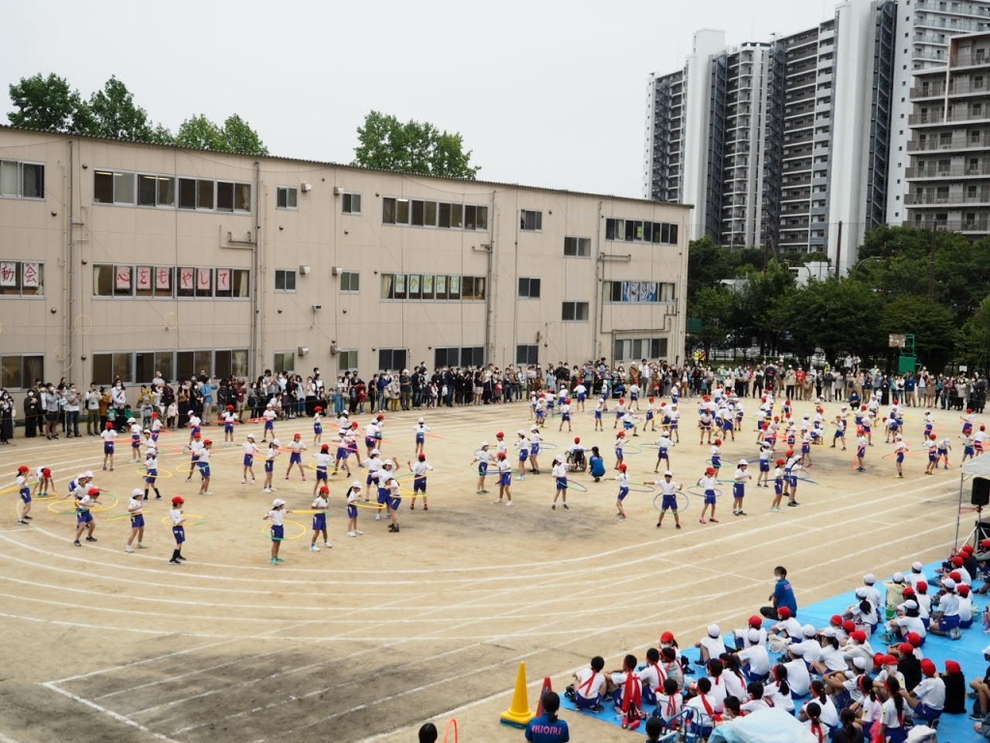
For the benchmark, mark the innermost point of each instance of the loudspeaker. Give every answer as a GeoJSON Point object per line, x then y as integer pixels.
{"type": "Point", "coordinates": [981, 492]}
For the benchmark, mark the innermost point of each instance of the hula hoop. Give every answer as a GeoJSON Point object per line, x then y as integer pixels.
{"type": "Point", "coordinates": [92, 509]}
{"type": "Point", "coordinates": [374, 506]}
{"type": "Point", "coordinates": [161, 473]}
{"type": "Point", "coordinates": [547, 445]}
{"type": "Point", "coordinates": [631, 449]}
{"type": "Point", "coordinates": [682, 502]}
{"type": "Point", "coordinates": [808, 480]}
{"type": "Point", "coordinates": [179, 468]}
{"type": "Point", "coordinates": [267, 531]}
{"type": "Point", "coordinates": [199, 520]}
{"type": "Point", "coordinates": [700, 491]}
{"type": "Point", "coordinates": [53, 496]}
{"type": "Point", "coordinates": [640, 489]}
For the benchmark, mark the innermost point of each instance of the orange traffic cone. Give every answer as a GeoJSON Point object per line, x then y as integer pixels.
{"type": "Point", "coordinates": [547, 686]}
{"type": "Point", "coordinates": [519, 714]}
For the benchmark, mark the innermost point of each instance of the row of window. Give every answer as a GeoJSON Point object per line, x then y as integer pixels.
{"type": "Point", "coordinates": [432, 287]}
{"type": "Point", "coordinates": [20, 180]}
{"type": "Point", "coordinates": [285, 281]}
{"type": "Point", "coordinates": [637, 292]}
{"type": "Point", "coordinates": [639, 348]}
{"type": "Point", "coordinates": [434, 214]}
{"type": "Point", "coordinates": [22, 278]}
{"type": "Point", "coordinates": [140, 367]}
{"type": "Point", "coordinates": [287, 197]}
{"type": "Point", "coordinates": [19, 372]}
{"type": "Point", "coordinates": [141, 189]}
{"type": "Point", "coordinates": [168, 282]}
{"type": "Point", "coordinates": [632, 230]}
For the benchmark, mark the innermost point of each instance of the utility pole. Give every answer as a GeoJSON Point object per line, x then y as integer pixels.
{"type": "Point", "coordinates": [931, 263]}
{"type": "Point", "coordinates": [838, 252]}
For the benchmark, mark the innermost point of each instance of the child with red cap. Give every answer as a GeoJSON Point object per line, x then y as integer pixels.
{"type": "Point", "coordinates": [295, 456]}
{"type": "Point", "coordinates": [84, 518]}
{"type": "Point", "coordinates": [708, 483]}
{"type": "Point", "coordinates": [24, 492]}
{"type": "Point", "coordinates": [178, 530]}
{"type": "Point", "coordinates": [622, 479]}
{"type": "Point", "coordinates": [927, 699]}
{"type": "Point", "coordinates": [108, 436]}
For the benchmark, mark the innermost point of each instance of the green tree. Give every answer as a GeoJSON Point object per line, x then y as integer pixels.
{"type": "Point", "coordinates": [236, 135]}
{"type": "Point", "coordinates": [931, 322]}
{"type": "Point", "coordinates": [708, 264]}
{"type": "Point", "coordinates": [114, 115]}
{"type": "Point", "coordinates": [386, 143]}
{"type": "Point", "coordinates": [973, 347]}
{"type": "Point", "coordinates": [762, 306]}
{"type": "Point", "coordinates": [47, 103]}
{"type": "Point", "coordinates": [716, 307]}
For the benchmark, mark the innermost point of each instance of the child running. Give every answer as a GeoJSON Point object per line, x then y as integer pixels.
{"type": "Point", "coordinates": [320, 505]}
{"type": "Point", "coordinates": [419, 471]}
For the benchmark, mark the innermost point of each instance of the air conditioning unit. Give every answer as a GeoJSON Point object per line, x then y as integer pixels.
{"type": "Point", "coordinates": [336, 270]}
{"type": "Point", "coordinates": [305, 187]}
{"type": "Point", "coordinates": [303, 350]}
{"type": "Point", "coordinates": [304, 270]}
{"type": "Point", "coordinates": [338, 190]}
{"type": "Point", "coordinates": [333, 349]}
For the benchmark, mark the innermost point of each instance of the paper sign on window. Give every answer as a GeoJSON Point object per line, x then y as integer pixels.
{"type": "Point", "coordinates": [204, 278]}
{"type": "Point", "coordinates": [223, 279]}
{"type": "Point", "coordinates": [123, 277]}
{"type": "Point", "coordinates": [428, 283]}
{"type": "Point", "coordinates": [31, 276]}
{"type": "Point", "coordinates": [8, 273]}
{"type": "Point", "coordinates": [414, 283]}
{"type": "Point", "coordinates": [400, 283]}
{"type": "Point", "coordinates": [185, 278]}
{"type": "Point", "coordinates": [144, 277]}
{"type": "Point", "coordinates": [163, 279]}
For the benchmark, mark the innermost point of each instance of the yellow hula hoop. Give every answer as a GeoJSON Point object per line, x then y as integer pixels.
{"type": "Point", "coordinates": [53, 496]}
{"type": "Point", "coordinates": [179, 467]}
{"type": "Point", "coordinates": [187, 516]}
{"type": "Point", "coordinates": [374, 506]}
{"type": "Point", "coordinates": [92, 509]}
{"type": "Point", "coordinates": [267, 531]}
{"type": "Point", "coordinates": [161, 473]}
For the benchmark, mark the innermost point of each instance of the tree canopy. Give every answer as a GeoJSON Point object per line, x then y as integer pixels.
{"type": "Point", "coordinates": [386, 143]}
{"type": "Point", "coordinates": [51, 104]}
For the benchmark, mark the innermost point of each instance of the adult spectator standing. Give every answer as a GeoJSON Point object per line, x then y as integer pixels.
{"type": "Point", "coordinates": [33, 414]}
{"type": "Point", "coordinates": [7, 414]}
{"type": "Point", "coordinates": [783, 595]}
{"type": "Point", "coordinates": [118, 399]}
{"type": "Point", "coordinates": [50, 404]}
{"type": "Point", "coordinates": [93, 411]}
{"type": "Point", "coordinates": [72, 401]}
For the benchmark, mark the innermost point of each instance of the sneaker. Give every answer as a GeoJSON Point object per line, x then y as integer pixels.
{"type": "Point", "coordinates": [244, 481]}
{"type": "Point", "coordinates": [92, 539]}
{"type": "Point", "coordinates": [252, 481]}
{"type": "Point", "coordinates": [181, 558]}
{"type": "Point", "coordinates": [359, 532]}
{"type": "Point", "coordinates": [553, 507]}
{"type": "Point", "coordinates": [128, 549]}
{"type": "Point", "coordinates": [280, 559]}
{"type": "Point", "coordinates": [142, 546]}
{"type": "Point", "coordinates": [741, 513]}
{"type": "Point", "coordinates": [620, 517]}
{"type": "Point", "coordinates": [677, 526]}
{"type": "Point", "coordinates": [378, 517]}
{"type": "Point", "coordinates": [31, 518]}
{"type": "Point", "coordinates": [170, 562]}
{"type": "Point", "coordinates": [22, 522]}
{"type": "Point", "coordinates": [328, 545]}
{"type": "Point", "coordinates": [713, 520]}
{"type": "Point", "coordinates": [77, 544]}
{"type": "Point", "coordinates": [274, 561]}
{"type": "Point", "coordinates": [792, 504]}
{"type": "Point", "coordinates": [659, 524]}
{"type": "Point", "coordinates": [412, 506]}
{"type": "Point", "coordinates": [566, 508]}
{"type": "Point", "coordinates": [313, 548]}
{"type": "Point", "coordinates": [426, 507]}
{"type": "Point", "coordinates": [351, 534]}
{"type": "Point", "coordinates": [702, 521]}
{"type": "Point", "coordinates": [510, 503]}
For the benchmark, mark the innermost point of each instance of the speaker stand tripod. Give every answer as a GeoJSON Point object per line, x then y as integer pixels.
{"type": "Point", "coordinates": [975, 534]}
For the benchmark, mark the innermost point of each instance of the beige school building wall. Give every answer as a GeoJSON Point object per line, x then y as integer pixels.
{"type": "Point", "coordinates": [123, 259]}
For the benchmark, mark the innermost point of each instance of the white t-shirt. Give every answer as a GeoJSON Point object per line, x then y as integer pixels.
{"type": "Point", "coordinates": [759, 659]}
{"type": "Point", "coordinates": [590, 685]}
{"type": "Point", "coordinates": [798, 677]}
{"type": "Point", "coordinates": [931, 691]}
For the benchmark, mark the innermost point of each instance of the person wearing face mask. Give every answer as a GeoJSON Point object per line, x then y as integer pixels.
{"type": "Point", "coordinates": [50, 405]}
{"type": "Point", "coordinates": [32, 414]}
{"type": "Point", "coordinates": [92, 411]}
{"type": "Point", "coordinates": [7, 413]}
{"type": "Point", "coordinates": [71, 407]}
{"type": "Point", "coordinates": [118, 399]}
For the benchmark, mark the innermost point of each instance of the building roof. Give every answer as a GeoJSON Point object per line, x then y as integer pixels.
{"type": "Point", "coordinates": [329, 164]}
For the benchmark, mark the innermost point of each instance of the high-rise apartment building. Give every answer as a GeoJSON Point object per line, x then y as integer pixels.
{"type": "Point", "coordinates": [799, 144]}
{"type": "Point", "coordinates": [949, 175]}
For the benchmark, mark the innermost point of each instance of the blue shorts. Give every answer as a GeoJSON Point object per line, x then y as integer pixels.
{"type": "Point", "coordinates": [662, 454]}
{"type": "Point", "coordinates": [523, 455]}
{"type": "Point", "coordinates": [108, 447]}
{"type": "Point", "coordinates": [581, 397]}
{"type": "Point", "coordinates": [967, 428]}
{"type": "Point", "coordinates": [717, 462]}
{"type": "Point", "coordinates": [137, 521]}
{"type": "Point", "coordinates": [248, 460]}
{"type": "Point", "coordinates": [319, 521]}
{"type": "Point", "coordinates": [321, 474]}
{"type": "Point", "coordinates": [900, 457]}
{"type": "Point", "coordinates": [618, 415]}
{"type": "Point", "coordinates": [669, 503]}
{"type": "Point", "coordinates": [968, 450]}
{"type": "Point", "coordinates": [709, 497]}
{"type": "Point", "coordinates": [482, 468]}
{"type": "Point", "coordinates": [25, 494]}
{"type": "Point", "coordinates": [927, 713]}
{"type": "Point", "coordinates": [83, 517]}
{"type": "Point", "coordinates": [204, 469]}
{"type": "Point", "coordinates": [317, 429]}
{"type": "Point", "coordinates": [623, 492]}
{"type": "Point", "coordinates": [195, 432]}
{"type": "Point", "coordinates": [150, 478]}
{"type": "Point", "coordinates": [738, 490]}
{"type": "Point", "coordinates": [534, 449]}
{"type": "Point", "coordinates": [342, 453]}
{"type": "Point", "coordinates": [505, 478]}
{"type": "Point", "coordinates": [179, 533]}
{"type": "Point", "coordinates": [792, 480]}
{"type": "Point", "coordinates": [351, 511]}
{"type": "Point", "coordinates": [270, 425]}
{"type": "Point", "coordinates": [419, 485]}
{"type": "Point", "coordinates": [618, 453]}
{"type": "Point", "coordinates": [805, 448]}
{"type": "Point", "coordinates": [950, 622]}
{"type": "Point", "coordinates": [278, 533]}
{"type": "Point", "coordinates": [561, 483]}
{"type": "Point", "coordinates": [839, 434]}
{"type": "Point", "coordinates": [228, 427]}
{"type": "Point", "coordinates": [383, 495]}
{"type": "Point", "coordinates": [626, 425]}
{"type": "Point", "coordinates": [395, 503]}
{"type": "Point", "coordinates": [861, 452]}
{"type": "Point", "coordinates": [135, 443]}
{"type": "Point", "coordinates": [673, 426]}
{"type": "Point", "coordinates": [727, 425]}
{"type": "Point", "coordinates": [269, 465]}
{"type": "Point", "coordinates": [295, 458]}
{"type": "Point", "coordinates": [764, 465]}
{"type": "Point", "coordinates": [369, 441]}
{"type": "Point", "coordinates": [420, 438]}
{"type": "Point", "coordinates": [649, 415]}
{"type": "Point", "coordinates": [154, 436]}
{"type": "Point", "coordinates": [778, 487]}
{"type": "Point", "coordinates": [565, 417]}
{"type": "Point", "coordinates": [943, 452]}
{"type": "Point", "coordinates": [598, 415]}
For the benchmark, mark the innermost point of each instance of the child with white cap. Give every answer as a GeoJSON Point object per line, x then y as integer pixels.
{"type": "Point", "coordinates": [560, 479]}
{"type": "Point", "coordinates": [946, 620]}
{"type": "Point", "coordinates": [420, 431]}
{"type": "Point", "coordinates": [270, 456]}
{"type": "Point", "coordinates": [917, 574]}
{"type": "Point", "coordinates": [872, 593]}
{"type": "Point", "coordinates": [353, 494]}
{"type": "Point", "coordinates": [135, 509]}
{"type": "Point", "coordinates": [535, 440]}
{"type": "Point", "coordinates": [669, 489]}
{"type": "Point", "coordinates": [484, 458]}
{"type": "Point", "coordinates": [711, 645]}
{"type": "Point", "coordinates": [277, 516]}
{"type": "Point", "coordinates": [522, 444]}
{"type": "Point", "coordinates": [741, 477]}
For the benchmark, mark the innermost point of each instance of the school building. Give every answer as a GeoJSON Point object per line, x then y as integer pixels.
{"type": "Point", "coordinates": [122, 259]}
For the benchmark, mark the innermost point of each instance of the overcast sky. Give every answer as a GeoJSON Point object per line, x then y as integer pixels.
{"type": "Point", "coordinates": [545, 93]}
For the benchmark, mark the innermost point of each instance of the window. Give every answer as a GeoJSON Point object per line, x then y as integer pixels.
{"type": "Point", "coordinates": [19, 372]}
{"type": "Point", "coordinates": [22, 278]}
{"type": "Point", "coordinates": [286, 197]}
{"type": "Point", "coordinates": [639, 291]}
{"type": "Point", "coordinates": [22, 180]}
{"type": "Point", "coordinates": [529, 355]}
{"type": "Point", "coordinates": [579, 247]}
{"type": "Point", "coordinates": [284, 361]}
{"type": "Point", "coordinates": [347, 361]}
{"type": "Point", "coordinates": [472, 287]}
{"type": "Point", "coordinates": [576, 311]}
{"type": "Point", "coordinates": [391, 359]}
{"type": "Point", "coordinates": [115, 280]}
{"type": "Point", "coordinates": [640, 348]}
{"type": "Point", "coordinates": [110, 187]}
{"type": "Point", "coordinates": [530, 220]}
{"type": "Point", "coordinates": [468, 356]}
{"type": "Point", "coordinates": [107, 367]}
{"type": "Point", "coordinates": [529, 288]}
{"type": "Point", "coordinates": [285, 280]}
{"type": "Point", "coordinates": [187, 193]}
{"type": "Point", "coordinates": [630, 230]}
{"type": "Point", "coordinates": [155, 190]}
{"type": "Point", "coordinates": [350, 281]}
{"type": "Point", "coordinates": [230, 364]}
{"type": "Point", "coordinates": [225, 197]}
{"type": "Point", "coordinates": [204, 194]}
{"type": "Point", "coordinates": [351, 203]}
{"type": "Point", "coordinates": [429, 286]}
{"type": "Point", "coordinates": [420, 213]}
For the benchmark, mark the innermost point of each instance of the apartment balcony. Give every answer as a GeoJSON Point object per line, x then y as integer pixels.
{"type": "Point", "coordinates": [931, 54]}
{"type": "Point", "coordinates": [979, 225]}
{"type": "Point", "coordinates": [982, 196]}
{"type": "Point", "coordinates": [969, 59]}
{"type": "Point", "coordinates": [964, 9]}
{"type": "Point", "coordinates": [953, 171]}
{"type": "Point", "coordinates": [957, 143]}
{"type": "Point", "coordinates": [932, 91]}
{"type": "Point", "coordinates": [967, 87]}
